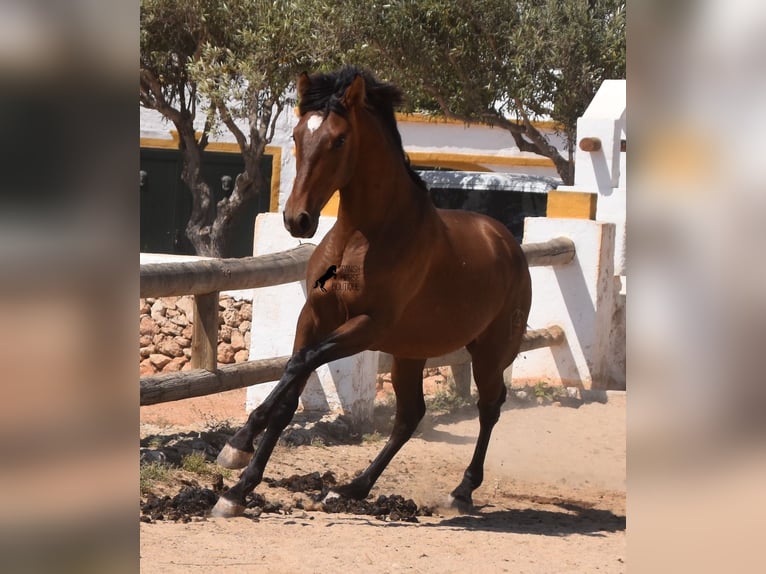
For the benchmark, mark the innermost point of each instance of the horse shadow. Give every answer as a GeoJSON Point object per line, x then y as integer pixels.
{"type": "Point", "coordinates": [571, 518]}
{"type": "Point", "coordinates": [427, 430]}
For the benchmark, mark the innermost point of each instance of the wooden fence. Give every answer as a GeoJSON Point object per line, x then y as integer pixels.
{"type": "Point", "coordinates": [205, 279]}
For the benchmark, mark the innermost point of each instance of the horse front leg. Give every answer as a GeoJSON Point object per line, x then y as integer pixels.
{"type": "Point", "coordinates": [278, 409]}
{"type": "Point", "coordinates": [239, 449]}
{"type": "Point", "coordinates": [232, 503]}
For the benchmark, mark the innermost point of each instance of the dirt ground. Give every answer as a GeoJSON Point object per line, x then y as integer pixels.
{"type": "Point", "coordinates": [553, 500]}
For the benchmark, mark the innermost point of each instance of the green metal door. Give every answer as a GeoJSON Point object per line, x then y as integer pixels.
{"type": "Point", "coordinates": [166, 201]}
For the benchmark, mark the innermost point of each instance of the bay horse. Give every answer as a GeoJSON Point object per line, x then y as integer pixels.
{"type": "Point", "coordinates": [430, 281]}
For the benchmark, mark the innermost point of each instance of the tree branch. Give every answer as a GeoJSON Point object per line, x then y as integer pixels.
{"type": "Point", "coordinates": [229, 122]}
{"type": "Point", "coordinates": [563, 166]}
{"type": "Point", "coordinates": [152, 97]}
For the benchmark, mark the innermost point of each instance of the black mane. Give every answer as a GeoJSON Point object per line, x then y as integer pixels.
{"type": "Point", "coordinates": [325, 91]}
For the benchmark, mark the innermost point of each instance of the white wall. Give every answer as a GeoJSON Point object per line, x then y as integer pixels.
{"type": "Point", "coordinates": [439, 137]}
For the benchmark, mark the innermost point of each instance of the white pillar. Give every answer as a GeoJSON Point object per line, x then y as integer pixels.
{"type": "Point", "coordinates": [579, 297]}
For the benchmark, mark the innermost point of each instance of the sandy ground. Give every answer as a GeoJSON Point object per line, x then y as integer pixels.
{"type": "Point", "coordinates": [553, 500]}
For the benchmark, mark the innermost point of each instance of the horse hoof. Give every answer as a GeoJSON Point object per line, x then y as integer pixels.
{"type": "Point", "coordinates": [351, 491]}
{"type": "Point", "coordinates": [330, 496]}
{"type": "Point", "coordinates": [227, 509]}
{"type": "Point", "coordinates": [460, 504]}
{"type": "Point", "coordinates": [233, 458]}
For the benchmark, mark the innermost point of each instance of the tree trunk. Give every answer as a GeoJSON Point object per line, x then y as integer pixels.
{"type": "Point", "coordinates": [210, 225]}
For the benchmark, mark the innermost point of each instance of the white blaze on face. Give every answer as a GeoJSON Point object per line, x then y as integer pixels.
{"type": "Point", "coordinates": [314, 122]}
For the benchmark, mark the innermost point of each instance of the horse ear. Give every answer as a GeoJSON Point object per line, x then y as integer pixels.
{"type": "Point", "coordinates": [354, 93]}
{"type": "Point", "coordinates": [303, 84]}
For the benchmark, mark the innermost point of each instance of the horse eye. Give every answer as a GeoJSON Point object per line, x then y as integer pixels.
{"type": "Point", "coordinates": [339, 142]}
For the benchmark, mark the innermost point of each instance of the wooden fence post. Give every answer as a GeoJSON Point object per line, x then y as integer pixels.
{"type": "Point", "coordinates": [205, 336]}
{"type": "Point", "coordinates": [462, 375]}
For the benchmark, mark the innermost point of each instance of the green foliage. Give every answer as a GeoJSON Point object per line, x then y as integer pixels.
{"type": "Point", "coordinates": [373, 437]}
{"type": "Point", "coordinates": [486, 60]}
{"type": "Point", "coordinates": [547, 393]}
{"type": "Point", "coordinates": [196, 463]}
{"type": "Point", "coordinates": [446, 399]}
{"type": "Point", "coordinates": [241, 54]}
{"type": "Point", "coordinates": [152, 472]}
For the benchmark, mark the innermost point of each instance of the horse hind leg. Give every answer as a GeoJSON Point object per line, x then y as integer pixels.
{"type": "Point", "coordinates": [491, 353]}
{"type": "Point", "coordinates": [494, 394]}
{"type": "Point", "coordinates": [407, 380]}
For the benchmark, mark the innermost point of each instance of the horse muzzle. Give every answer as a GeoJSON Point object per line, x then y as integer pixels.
{"type": "Point", "coordinates": [302, 224]}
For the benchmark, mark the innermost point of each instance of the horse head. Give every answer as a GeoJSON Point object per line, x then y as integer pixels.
{"type": "Point", "coordinates": [325, 149]}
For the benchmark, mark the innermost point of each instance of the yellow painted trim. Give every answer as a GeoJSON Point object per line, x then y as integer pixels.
{"type": "Point", "coordinates": [161, 143]}
{"type": "Point", "coordinates": [331, 209]}
{"type": "Point", "coordinates": [276, 173]}
{"type": "Point", "coordinates": [229, 147]}
{"type": "Point", "coordinates": [470, 162]}
{"type": "Point", "coordinates": [418, 118]}
{"type": "Point", "coordinates": [571, 204]}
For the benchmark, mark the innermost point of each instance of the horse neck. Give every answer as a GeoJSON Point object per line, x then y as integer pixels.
{"type": "Point", "coordinates": [382, 193]}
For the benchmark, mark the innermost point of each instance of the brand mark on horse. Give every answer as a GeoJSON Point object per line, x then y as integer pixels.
{"type": "Point", "coordinates": [329, 274]}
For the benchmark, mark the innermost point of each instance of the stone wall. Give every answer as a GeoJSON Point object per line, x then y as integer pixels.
{"type": "Point", "coordinates": [165, 332]}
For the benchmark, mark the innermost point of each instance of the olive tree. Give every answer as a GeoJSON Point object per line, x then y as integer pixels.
{"type": "Point", "coordinates": [492, 61]}
{"type": "Point", "coordinates": [232, 64]}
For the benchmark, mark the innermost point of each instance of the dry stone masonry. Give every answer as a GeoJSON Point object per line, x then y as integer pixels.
{"type": "Point", "coordinates": [165, 332]}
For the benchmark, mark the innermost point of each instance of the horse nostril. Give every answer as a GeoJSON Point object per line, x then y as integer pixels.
{"type": "Point", "coordinates": [304, 221]}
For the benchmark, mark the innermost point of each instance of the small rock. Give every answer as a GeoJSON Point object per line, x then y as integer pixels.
{"type": "Point", "coordinates": [158, 310]}
{"type": "Point", "coordinates": [169, 328]}
{"type": "Point", "coordinates": [244, 326]}
{"type": "Point", "coordinates": [225, 353]}
{"type": "Point", "coordinates": [237, 340]}
{"type": "Point", "coordinates": [242, 356]}
{"type": "Point", "coordinates": [180, 320]}
{"type": "Point", "coordinates": [175, 365]}
{"type": "Point", "coordinates": [158, 360]}
{"type": "Point", "coordinates": [574, 393]}
{"type": "Point", "coordinates": [185, 304]}
{"type": "Point", "coordinates": [246, 313]}
{"type": "Point", "coordinates": [149, 456]}
{"type": "Point", "coordinates": [230, 317]}
{"type": "Point", "coordinates": [146, 368]}
{"type": "Point", "coordinates": [224, 334]}
{"type": "Point", "coordinates": [148, 326]}
{"type": "Point", "coordinates": [171, 348]}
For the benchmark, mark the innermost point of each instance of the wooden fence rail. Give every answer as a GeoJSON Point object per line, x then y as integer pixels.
{"type": "Point", "coordinates": [200, 382]}
{"type": "Point", "coordinates": [558, 251]}
{"type": "Point", "coordinates": [206, 278]}
{"type": "Point", "coordinates": [213, 275]}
